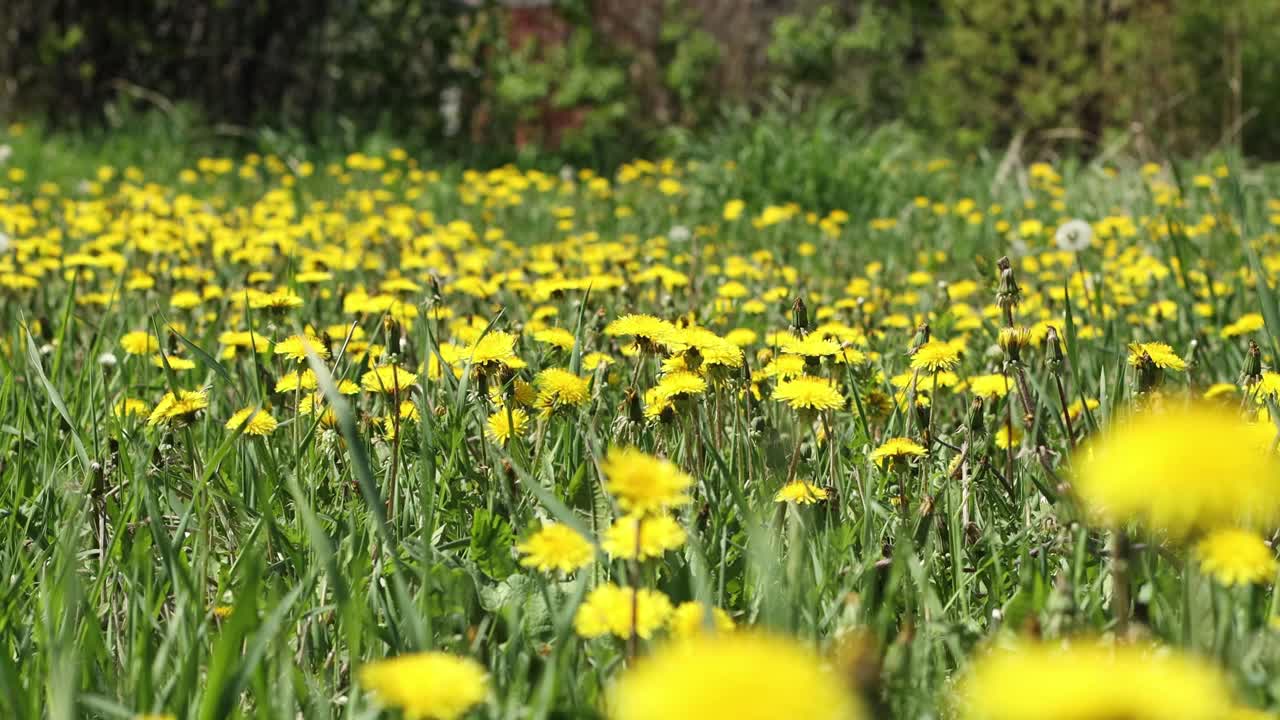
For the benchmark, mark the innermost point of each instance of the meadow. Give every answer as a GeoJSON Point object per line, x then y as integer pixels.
{"type": "Point", "coordinates": [711, 436]}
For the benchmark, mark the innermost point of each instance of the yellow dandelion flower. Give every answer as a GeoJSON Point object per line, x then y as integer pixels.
{"type": "Point", "coordinates": [139, 342]}
{"type": "Point", "coordinates": [388, 380]}
{"type": "Point", "coordinates": [643, 483]}
{"type": "Point", "coordinates": [622, 612]}
{"type": "Point", "coordinates": [897, 449]}
{"type": "Point", "coordinates": [691, 618]}
{"type": "Point", "coordinates": [501, 425]}
{"type": "Point", "coordinates": [1218, 390]}
{"type": "Point", "coordinates": [650, 332]}
{"type": "Point", "coordinates": [180, 408]}
{"type": "Point", "coordinates": [657, 535]}
{"type": "Point", "coordinates": [289, 382]}
{"type": "Point", "coordinates": [176, 363]}
{"type": "Point", "coordinates": [261, 422]}
{"type": "Point", "coordinates": [278, 300]}
{"type": "Point", "coordinates": [935, 355]}
{"type": "Point", "coordinates": [558, 388]}
{"type": "Point", "coordinates": [680, 385]}
{"type": "Point", "coordinates": [989, 387]}
{"type": "Point", "coordinates": [744, 676]}
{"type": "Point", "coordinates": [497, 348]}
{"type": "Point", "coordinates": [1236, 557]}
{"type": "Point", "coordinates": [800, 493]}
{"type": "Point", "coordinates": [555, 337]}
{"type": "Point", "coordinates": [556, 547]}
{"type": "Point", "coordinates": [129, 406]}
{"type": "Point", "coordinates": [1176, 471]}
{"type": "Point", "coordinates": [1042, 681]}
{"type": "Point", "coordinates": [812, 346]}
{"type": "Point", "coordinates": [1160, 353]}
{"type": "Point", "coordinates": [427, 685]}
{"type": "Point", "coordinates": [296, 347]}
{"type": "Point", "coordinates": [809, 393]}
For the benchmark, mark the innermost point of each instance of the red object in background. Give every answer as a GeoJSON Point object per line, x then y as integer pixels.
{"type": "Point", "coordinates": [537, 21]}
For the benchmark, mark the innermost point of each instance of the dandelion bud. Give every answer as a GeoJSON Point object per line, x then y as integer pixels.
{"type": "Point", "coordinates": [635, 412]}
{"type": "Point", "coordinates": [1252, 373]}
{"type": "Point", "coordinates": [922, 414]}
{"type": "Point", "coordinates": [976, 424]}
{"type": "Point", "coordinates": [1053, 351]}
{"type": "Point", "coordinates": [1012, 340]}
{"type": "Point", "coordinates": [1009, 294]}
{"type": "Point", "coordinates": [799, 316]}
{"type": "Point", "coordinates": [921, 338]}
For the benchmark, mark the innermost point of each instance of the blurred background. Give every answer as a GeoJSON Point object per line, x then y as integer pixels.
{"type": "Point", "coordinates": [599, 81]}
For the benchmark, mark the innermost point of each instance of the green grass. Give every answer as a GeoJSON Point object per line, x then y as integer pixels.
{"type": "Point", "coordinates": [118, 541]}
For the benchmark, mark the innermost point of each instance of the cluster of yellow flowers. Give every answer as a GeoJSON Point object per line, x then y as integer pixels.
{"type": "Point", "coordinates": [552, 311]}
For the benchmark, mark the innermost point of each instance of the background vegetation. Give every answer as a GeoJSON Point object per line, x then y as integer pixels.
{"type": "Point", "coordinates": [616, 76]}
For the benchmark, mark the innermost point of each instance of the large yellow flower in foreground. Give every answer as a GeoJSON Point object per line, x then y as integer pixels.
{"type": "Point", "coordinates": [1178, 470]}
{"type": "Point", "coordinates": [733, 676]}
{"type": "Point", "coordinates": [1092, 681]}
{"type": "Point", "coordinates": [427, 685]}
{"type": "Point", "coordinates": [643, 483]}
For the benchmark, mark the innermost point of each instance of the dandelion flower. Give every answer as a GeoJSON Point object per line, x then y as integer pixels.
{"type": "Point", "coordinates": [897, 449]}
{"type": "Point", "coordinates": [1187, 468]}
{"type": "Point", "coordinates": [811, 346]}
{"type": "Point", "coordinates": [387, 379]}
{"type": "Point", "coordinates": [1236, 557]}
{"type": "Point", "coordinates": [622, 612]}
{"type": "Point", "coordinates": [935, 355]}
{"type": "Point", "coordinates": [555, 337]}
{"type": "Point", "coordinates": [427, 685]}
{"type": "Point", "coordinates": [743, 676]}
{"type": "Point", "coordinates": [809, 393]}
{"type": "Point", "coordinates": [650, 332]}
{"type": "Point", "coordinates": [556, 547]}
{"type": "Point", "coordinates": [129, 406]}
{"type": "Point", "coordinates": [559, 388]}
{"type": "Point", "coordinates": [690, 619]}
{"type": "Point", "coordinates": [501, 425]}
{"type": "Point", "coordinates": [296, 347]}
{"type": "Point", "coordinates": [657, 535]}
{"type": "Point", "coordinates": [989, 387]}
{"type": "Point", "coordinates": [139, 342]}
{"type": "Point", "coordinates": [180, 408]}
{"type": "Point", "coordinates": [261, 423]}
{"type": "Point", "coordinates": [1087, 680]}
{"type": "Point", "coordinates": [1160, 353]}
{"type": "Point", "coordinates": [643, 483]}
{"type": "Point", "coordinates": [175, 363]}
{"type": "Point", "coordinates": [495, 349]}
{"type": "Point", "coordinates": [680, 385]}
{"type": "Point", "coordinates": [800, 493]}
{"type": "Point", "coordinates": [1073, 236]}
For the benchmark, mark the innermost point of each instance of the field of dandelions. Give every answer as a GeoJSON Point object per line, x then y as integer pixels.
{"type": "Point", "coordinates": [367, 438]}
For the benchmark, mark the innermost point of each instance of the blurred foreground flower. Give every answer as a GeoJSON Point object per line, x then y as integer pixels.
{"type": "Point", "coordinates": [738, 676]}
{"type": "Point", "coordinates": [1092, 681]}
{"type": "Point", "coordinates": [427, 685]}
{"type": "Point", "coordinates": [1188, 468]}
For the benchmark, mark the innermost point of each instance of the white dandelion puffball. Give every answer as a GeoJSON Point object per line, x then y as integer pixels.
{"type": "Point", "coordinates": [1073, 236]}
